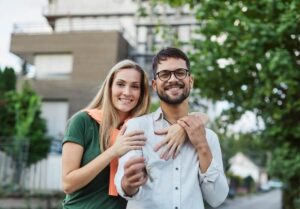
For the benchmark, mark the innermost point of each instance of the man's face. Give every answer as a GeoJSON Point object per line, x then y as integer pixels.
{"type": "Point", "coordinates": [174, 90]}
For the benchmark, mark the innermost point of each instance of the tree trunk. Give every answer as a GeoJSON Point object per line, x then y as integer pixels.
{"type": "Point", "coordinates": [291, 197]}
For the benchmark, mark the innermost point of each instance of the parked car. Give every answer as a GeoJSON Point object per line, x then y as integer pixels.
{"type": "Point", "coordinates": [271, 184]}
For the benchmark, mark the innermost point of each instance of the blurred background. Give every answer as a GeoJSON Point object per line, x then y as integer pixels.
{"type": "Point", "coordinates": [245, 57]}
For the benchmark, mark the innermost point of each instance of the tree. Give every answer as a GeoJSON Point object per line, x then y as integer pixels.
{"type": "Point", "coordinates": [7, 84]}
{"type": "Point", "coordinates": [22, 126]}
{"type": "Point", "coordinates": [25, 106]}
{"type": "Point", "coordinates": [249, 55]}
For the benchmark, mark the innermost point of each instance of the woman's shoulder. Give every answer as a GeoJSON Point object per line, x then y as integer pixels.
{"type": "Point", "coordinates": [81, 117]}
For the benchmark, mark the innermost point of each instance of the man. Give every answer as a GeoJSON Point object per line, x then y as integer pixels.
{"type": "Point", "coordinates": [196, 174]}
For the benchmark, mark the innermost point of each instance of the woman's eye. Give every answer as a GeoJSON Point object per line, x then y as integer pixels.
{"type": "Point", "coordinates": [120, 84]}
{"type": "Point", "coordinates": [135, 87]}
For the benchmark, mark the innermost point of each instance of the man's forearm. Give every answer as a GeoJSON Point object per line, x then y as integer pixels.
{"type": "Point", "coordinates": [205, 157]}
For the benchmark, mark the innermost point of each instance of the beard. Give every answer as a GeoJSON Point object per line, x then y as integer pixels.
{"type": "Point", "coordinates": [175, 100]}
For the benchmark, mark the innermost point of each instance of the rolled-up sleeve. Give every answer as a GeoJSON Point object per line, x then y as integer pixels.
{"type": "Point", "coordinates": [213, 182]}
{"type": "Point", "coordinates": [130, 126]}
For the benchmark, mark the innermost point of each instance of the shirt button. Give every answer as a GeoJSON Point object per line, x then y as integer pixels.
{"type": "Point", "coordinates": [176, 207]}
{"type": "Point", "coordinates": [177, 169]}
{"type": "Point", "coordinates": [176, 188]}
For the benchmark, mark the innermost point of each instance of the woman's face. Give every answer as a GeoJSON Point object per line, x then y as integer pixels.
{"type": "Point", "coordinates": [126, 90]}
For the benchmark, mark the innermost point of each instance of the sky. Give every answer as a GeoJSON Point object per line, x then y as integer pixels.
{"type": "Point", "coordinates": [16, 11]}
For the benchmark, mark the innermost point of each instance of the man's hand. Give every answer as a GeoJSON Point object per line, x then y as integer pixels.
{"type": "Point", "coordinates": [194, 127]}
{"type": "Point", "coordinates": [195, 130]}
{"type": "Point", "coordinates": [134, 175]}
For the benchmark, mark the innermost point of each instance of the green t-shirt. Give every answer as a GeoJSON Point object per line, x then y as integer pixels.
{"type": "Point", "coordinates": [83, 130]}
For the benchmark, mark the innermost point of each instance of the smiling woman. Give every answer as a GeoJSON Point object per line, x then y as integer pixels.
{"type": "Point", "coordinates": [126, 89]}
{"type": "Point", "coordinates": [93, 140]}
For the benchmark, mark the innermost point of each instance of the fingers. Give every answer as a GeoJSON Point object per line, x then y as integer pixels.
{"type": "Point", "coordinates": [122, 131]}
{"type": "Point", "coordinates": [170, 152]}
{"type": "Point", "coordinates": [134, 171]}
{"type": "Point", "coordinates": [133, 161]}
{"type": "Point", "coordinates": [161, 131]}
{"type": "Point", "coordinates": [134, 133]}
{"type": "Point", "coordinates": [183, 124]}
{"type": "Point", "coordinates": [134, 175]}
{"type": "Point", "coordinates": [136, 138]}
{"type": "Point", "coordinates": [167, 149]}
{"type": "Point", "coordinates": [177, 151]}
{"type": "Point", "coordinates": [160, 144]}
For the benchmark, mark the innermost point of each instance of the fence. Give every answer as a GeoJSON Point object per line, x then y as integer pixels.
{"type": "Point", "coordinates": [42, 177]}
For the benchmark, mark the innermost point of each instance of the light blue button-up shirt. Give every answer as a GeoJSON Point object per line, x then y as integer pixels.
{"type": "Point", "coordinates": [178, 183]}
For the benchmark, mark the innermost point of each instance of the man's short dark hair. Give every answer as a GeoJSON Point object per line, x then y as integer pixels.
{"type": "Point", "coordinates": [168, 52]}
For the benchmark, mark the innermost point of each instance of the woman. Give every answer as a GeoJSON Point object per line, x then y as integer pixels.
{"type": "Point", "coordinates": [93, 139]}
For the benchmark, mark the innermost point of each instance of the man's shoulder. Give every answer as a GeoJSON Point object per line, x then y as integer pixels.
{"type": "Point", "coordinates": [210, 132]}
{"type": "Point", "coordinates": [140, 119]}
{"type": "Point", "coordinates": [211, 136]}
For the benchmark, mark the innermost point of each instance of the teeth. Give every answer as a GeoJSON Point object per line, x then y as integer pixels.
{"type": "Point", "coordinates": [173, 87]}
{"type": "Point", "coordinates": [126, 100]}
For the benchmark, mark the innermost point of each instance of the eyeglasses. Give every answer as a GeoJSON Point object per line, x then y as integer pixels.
{"type": "Point", "coordinates": [179, 73]}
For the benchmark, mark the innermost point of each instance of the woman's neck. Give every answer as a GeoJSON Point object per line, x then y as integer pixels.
{"type": "Point", "coordinates": [122, 118]}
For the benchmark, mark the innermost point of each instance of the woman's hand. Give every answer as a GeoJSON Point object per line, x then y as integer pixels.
{"type": "Point", "coordinates": [134, 140]}
{"type": "Point", "coordinates": [170, 146]}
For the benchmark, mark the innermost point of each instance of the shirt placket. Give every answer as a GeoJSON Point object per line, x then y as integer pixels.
{"type": "Point", "coordinates": [176, 182]}
{"type": "Point", "coordinates": [176, 176]}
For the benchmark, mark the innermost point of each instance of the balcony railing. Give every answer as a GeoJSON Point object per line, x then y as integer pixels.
{"type": "Point", "coordinates": [66, 26]}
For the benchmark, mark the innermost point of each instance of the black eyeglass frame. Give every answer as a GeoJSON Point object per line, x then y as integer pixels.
{"type": "Point", "coordinates": [170, 72]}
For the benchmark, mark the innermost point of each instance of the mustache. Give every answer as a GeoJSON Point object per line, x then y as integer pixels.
{"type": "Point", "coordinates": [172, 85]}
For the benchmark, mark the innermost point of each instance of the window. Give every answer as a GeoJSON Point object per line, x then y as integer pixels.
{"type": "Point", "coordinates": [53, 66]}
{"type": "Point", "coordinates": [56, 115]}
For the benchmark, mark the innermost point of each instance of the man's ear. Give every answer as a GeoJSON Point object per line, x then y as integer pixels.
{"type": "Point", "coordinates": [191, 81]}
{"type": "Point", "coordinates": [154, 85]}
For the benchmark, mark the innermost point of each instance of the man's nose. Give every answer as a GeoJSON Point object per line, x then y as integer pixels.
{"type": "Point", "coordinates": [173, 77]}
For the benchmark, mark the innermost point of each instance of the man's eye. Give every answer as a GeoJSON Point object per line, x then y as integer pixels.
{"type": "Point", "coordinates": [180, 74]}
{"type": "Point", "coordinates": [164, 75]}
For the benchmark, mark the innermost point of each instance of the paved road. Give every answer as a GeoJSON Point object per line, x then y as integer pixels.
{"type": "Point", "coordinates": [269, 200]}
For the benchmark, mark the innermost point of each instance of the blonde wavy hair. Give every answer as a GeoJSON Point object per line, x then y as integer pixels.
{"type": "Point", "coordinates": [103, 101]}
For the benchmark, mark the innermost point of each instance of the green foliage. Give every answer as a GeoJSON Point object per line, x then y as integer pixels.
{"type": "Point", "coordinates": [249, 55]}
{"type": "Point", "coordinates": [21, 120]}
{"type": "Point", "coordinates": [7, 84]}
{"type": "Point", "coordinates": [7, 80]}
{"type": "Point", "coordinates": [154, 106]}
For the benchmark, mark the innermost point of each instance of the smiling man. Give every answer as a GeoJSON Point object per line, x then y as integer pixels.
{"type": "Point", "coordinates": [196, 174]}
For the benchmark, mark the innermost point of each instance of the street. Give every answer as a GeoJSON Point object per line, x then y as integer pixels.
{"type": "Point", "coordinates": [269, 200]}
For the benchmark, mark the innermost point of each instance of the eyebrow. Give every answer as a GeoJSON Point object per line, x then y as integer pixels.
{"type": "Point", "coordinates": [135, 82]}
{"type": "Point", "coordinates": [179, 68]}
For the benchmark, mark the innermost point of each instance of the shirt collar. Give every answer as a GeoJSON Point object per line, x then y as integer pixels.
{"type": "Point", "coordinates": [158, 114]}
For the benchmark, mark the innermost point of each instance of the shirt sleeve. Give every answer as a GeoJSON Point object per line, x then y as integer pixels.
{"type": "Point", "coordinates": [213, 182]}
{"type": "Point", "coordinates": [75, 129]}
{"type": "Point", "coordinates": [130, 126]}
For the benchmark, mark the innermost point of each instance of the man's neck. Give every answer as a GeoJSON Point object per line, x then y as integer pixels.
{"type": "Point", "coordinates": [174, 112]}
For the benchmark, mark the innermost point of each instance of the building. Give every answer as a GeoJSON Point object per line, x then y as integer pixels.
{"type": "Point", "coordinates": [241, 165]}
{"type": "Point", "coordinates": [82, 40]}
{"type": "Point", "coordinates": [72, 53]}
